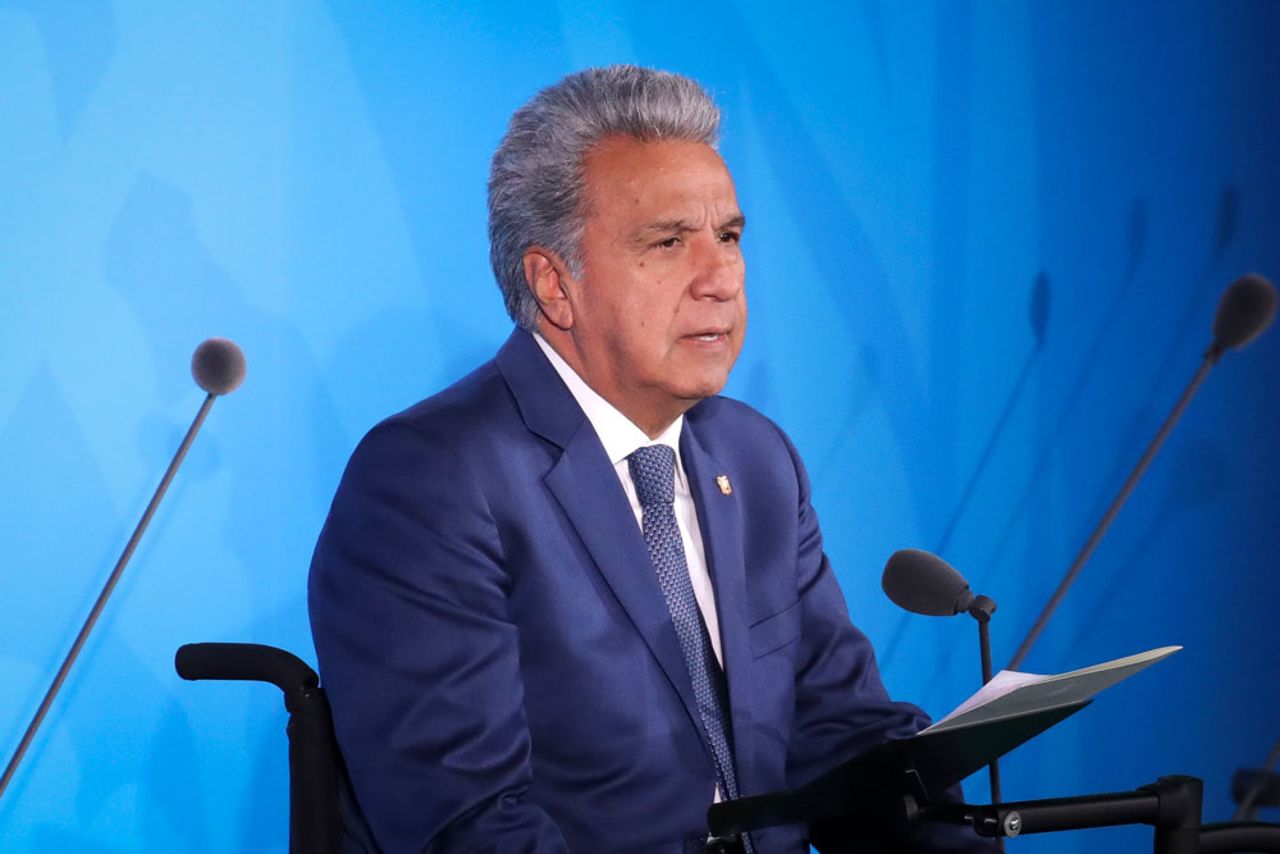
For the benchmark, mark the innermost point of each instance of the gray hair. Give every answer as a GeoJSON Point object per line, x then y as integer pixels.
{"type": "Point", "coordinates": [537, 180]}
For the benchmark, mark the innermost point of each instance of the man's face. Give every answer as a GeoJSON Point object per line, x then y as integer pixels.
{"type": "Point", "coordinates": [659, 313]}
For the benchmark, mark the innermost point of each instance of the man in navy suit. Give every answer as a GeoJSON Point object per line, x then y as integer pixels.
{"type": "Point", "coordinates": [572, 600]}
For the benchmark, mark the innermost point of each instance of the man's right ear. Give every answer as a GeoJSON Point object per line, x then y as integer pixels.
{"type": "Point", "coordinates": [547, 276]}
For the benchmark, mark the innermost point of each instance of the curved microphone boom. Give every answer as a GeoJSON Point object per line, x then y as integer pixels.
{"type": "Point", "coordinates": [218, 367]}
{"type": "Point", "coordinates": [1244, 312]}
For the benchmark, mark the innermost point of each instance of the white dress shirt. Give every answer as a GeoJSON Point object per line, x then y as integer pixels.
{"type": "Point", "coordinates": [620, 438]}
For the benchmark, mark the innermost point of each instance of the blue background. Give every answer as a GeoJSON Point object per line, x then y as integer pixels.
{"type": "Point", "coordinates": [308, 179]}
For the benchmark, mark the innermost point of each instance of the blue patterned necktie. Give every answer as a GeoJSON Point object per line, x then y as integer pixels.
{"type": "Point", "coordinates": [653, 472]}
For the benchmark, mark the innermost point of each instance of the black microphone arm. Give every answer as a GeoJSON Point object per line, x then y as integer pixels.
{"type": "Point", "coordinates": [218, 367]}
{"type": "Point", "coordinates": [1246, 309]}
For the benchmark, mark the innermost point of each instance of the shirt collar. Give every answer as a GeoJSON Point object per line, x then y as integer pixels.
{"type": "Point", "coordinates": [619, 435]}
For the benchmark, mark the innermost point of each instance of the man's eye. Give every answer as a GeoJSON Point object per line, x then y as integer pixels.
{"type": "Point", "coordinates": [669, 243]}
{"type": "Point", "coordinates": [730, 237]}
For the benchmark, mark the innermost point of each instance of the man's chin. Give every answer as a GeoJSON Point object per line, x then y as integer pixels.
{"type": "Point", "coordinates": [701, 373]}
{"type": "Point", "coordinates": [703, 388]}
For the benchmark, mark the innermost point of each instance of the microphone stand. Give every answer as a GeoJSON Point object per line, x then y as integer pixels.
{"type": "Point", "coordinates": [1211, 357]}
{"type": "Point", "coordinates": [218, 367]}
{"type": "Point", "coordinates": [1245, 310]}
{"type": "Point", "coordinates": [981, 609]}
{"type": "Point", "coordinates": [107, 589]}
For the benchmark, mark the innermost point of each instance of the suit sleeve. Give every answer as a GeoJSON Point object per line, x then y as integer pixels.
{"type": "Point", "coordinates": [842, 707]}
{"type": "Point", "coordinates": [408, 599]}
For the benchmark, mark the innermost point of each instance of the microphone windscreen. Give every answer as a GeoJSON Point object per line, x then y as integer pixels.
{"type": "Point", "coordinates": [924, 583]}
{"type": "Point", "coordinates": [1247, 308]}
{"type": "Point", "coordinates": [218, 366]}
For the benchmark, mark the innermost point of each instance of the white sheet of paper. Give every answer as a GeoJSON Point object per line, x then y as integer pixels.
{"type": "Point", "coordinates": [1011, 692]}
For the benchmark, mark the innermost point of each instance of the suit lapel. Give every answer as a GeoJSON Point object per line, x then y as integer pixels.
{"type": "Point", "coordinates": [587, 488]}
{"type": "Point", "coordinates": [585, 484]}
{"type": "Point", "coordinates": [719, 517]}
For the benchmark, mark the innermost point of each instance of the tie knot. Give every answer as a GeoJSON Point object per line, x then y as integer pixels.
{"type": "Point", "coordinates": [653, 471]}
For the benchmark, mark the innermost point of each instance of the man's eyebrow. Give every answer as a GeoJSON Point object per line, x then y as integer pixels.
{"type": "Point", "coordinates": [667, 226]}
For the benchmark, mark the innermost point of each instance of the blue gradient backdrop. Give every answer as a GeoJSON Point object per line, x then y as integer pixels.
{"type": "Point", "coordinates": [308, 179]}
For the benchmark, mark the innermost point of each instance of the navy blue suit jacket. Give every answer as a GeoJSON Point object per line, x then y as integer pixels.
{"type": "Point", "coordinates": [502, 667]}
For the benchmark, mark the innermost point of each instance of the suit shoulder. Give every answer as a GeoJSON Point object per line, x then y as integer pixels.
{"type": "Point", "coordinates": [737, 433]}
{"type": "Point", "coordinates": [479, 395]}
{"type": "Point", "coordinates": [449, 426]}
{"type": "Point", "coordinates": [480, 398]}
{"type": "Point", "coordinates": [724, 415]}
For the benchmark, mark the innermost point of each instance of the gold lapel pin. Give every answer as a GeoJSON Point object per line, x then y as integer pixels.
{"type": "Point", "coordinates": [722, 481]}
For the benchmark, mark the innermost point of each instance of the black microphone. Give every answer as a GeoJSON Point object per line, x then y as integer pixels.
{"type": "Point", "coordinates": [218, 367]}
{"type": "Point", "coordinates": [923, 583]}
{"type": "Point", "coordinates": [1245, 310]}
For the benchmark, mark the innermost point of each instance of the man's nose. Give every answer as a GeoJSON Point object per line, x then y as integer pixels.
{"type": "Point", "coordinates": [718, 272]}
